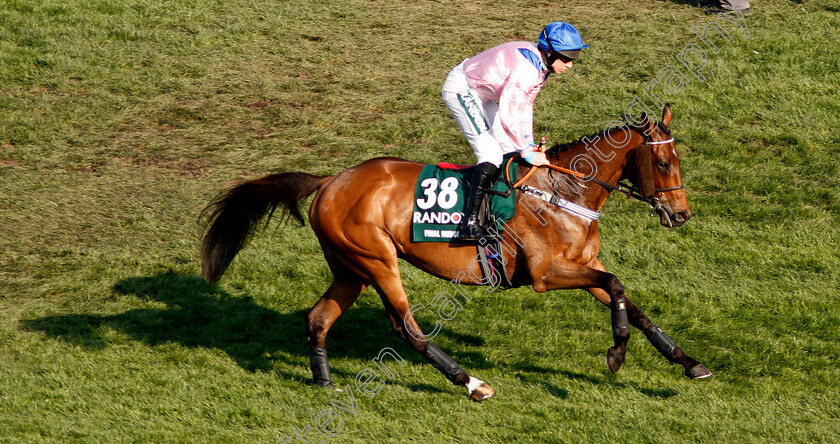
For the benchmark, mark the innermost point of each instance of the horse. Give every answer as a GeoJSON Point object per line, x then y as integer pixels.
{"type": "Point", "coordinates": [362, 220]}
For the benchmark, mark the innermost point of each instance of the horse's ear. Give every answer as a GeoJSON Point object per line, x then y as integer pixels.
{"type": "Point", "coordinates": [666, 114]}
{"type": "Point", "coordinates": [647, 125]}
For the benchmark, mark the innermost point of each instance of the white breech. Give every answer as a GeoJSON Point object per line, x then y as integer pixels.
{"type": "Point", "coordinates": [478, 118]}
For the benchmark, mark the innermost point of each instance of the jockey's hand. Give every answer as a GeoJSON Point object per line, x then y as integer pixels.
{"type": "Point", "coordinates": [539, 159]}
{"type": "Point", "coordinates": [535, 157]}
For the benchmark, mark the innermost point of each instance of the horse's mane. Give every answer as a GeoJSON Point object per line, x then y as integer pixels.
{"type": "Point", "coordinates": [563, 147]}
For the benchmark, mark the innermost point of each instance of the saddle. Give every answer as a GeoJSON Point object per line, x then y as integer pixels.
{"type": "Point", "coordinates": [438, 210]}
{"type": "Point", "coordinates": [439, 201]}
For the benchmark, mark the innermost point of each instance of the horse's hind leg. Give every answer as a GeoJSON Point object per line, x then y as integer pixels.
{"type": "Point", "coordinates": [384, 275]}
{"type": "Point", "coordinates": [344, 290]}
{"type": "Point", "coordinates": [406, 328]}
{"type": "Point", "coordinates": [661, 341]}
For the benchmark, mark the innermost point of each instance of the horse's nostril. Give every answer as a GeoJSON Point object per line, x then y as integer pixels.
{"type": "Point", "coordinates": [682, 216]}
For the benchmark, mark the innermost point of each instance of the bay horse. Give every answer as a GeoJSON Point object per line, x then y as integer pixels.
{"type": "Point", "coordinates": [362, 219]}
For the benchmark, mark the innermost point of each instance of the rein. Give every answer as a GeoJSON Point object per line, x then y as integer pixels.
{"type": "Point", "coordinates": [646, 191]}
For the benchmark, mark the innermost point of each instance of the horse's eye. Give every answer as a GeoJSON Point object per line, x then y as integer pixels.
{"type": "Point", "coordinates": [663, 165]}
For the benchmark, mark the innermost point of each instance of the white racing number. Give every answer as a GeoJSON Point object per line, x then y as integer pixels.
{"type": "Point", "coordinates": [448, 196]}
{"type": "Point", "coordinates": [446, 199]}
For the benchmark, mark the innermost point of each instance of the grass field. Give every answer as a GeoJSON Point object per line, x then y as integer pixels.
{"type": "Point", "coordinates": [121, 119]}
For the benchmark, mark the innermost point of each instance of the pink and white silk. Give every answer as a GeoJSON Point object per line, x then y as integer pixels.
{"type": "Point", "coordinates": [509, 75]}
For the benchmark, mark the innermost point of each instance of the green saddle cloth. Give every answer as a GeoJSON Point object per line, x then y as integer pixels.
{"type": "Point", "coordinates": [439, 201]}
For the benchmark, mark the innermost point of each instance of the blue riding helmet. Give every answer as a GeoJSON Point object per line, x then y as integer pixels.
{"type": "Point", "coordinates": [562, 38]}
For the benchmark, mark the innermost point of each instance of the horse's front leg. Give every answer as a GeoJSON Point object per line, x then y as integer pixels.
{"type": "Point", "coordinates": [564, 275]}
{"type": "Point", "coordinates": [659, 339]}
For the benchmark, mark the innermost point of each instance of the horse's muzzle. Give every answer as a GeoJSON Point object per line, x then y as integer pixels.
{"type": "Point", "coordinates": [678, 219]}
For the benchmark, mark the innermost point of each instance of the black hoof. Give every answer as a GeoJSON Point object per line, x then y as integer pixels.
{"type": "Point", "coordinates": [699, 371]}
{"type": "Point", "coordinates": [325, 383]}
{"type": "Point", "coordinates": [614, 360]}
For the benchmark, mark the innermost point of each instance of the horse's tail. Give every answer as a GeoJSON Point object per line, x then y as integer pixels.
{"type": "Point", "coordinates": [234, 215]}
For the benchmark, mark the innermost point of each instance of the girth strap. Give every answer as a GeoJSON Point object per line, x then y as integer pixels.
{"type": "Point", "coordinates": [493, 263]}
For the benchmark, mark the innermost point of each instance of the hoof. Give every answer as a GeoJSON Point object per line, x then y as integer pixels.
{"type": "Point", "coordinates": [699, 371]}
{"type": "Point", "coordinates": [482, 392]}
{"type": "Point", "coordinates": [325, 383]}
{"type": "Point", "coordinates": [614, 361]}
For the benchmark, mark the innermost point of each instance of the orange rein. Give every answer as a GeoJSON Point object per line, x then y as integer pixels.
{"type": "Point", "coordinates": [531, 170]}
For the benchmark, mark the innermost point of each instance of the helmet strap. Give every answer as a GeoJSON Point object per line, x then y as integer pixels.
{"type": "Point", "coordinates": [548, 57]}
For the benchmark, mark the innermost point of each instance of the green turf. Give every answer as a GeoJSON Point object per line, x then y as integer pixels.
{"type": "Point", "coordinates": [121, 119]}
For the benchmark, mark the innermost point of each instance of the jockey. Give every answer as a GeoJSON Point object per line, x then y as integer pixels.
{"type": "Point", "coordinates": [491, 96]}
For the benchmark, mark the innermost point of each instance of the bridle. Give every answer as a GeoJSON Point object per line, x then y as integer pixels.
{"type": "Point", "coordinates": [646, 189]}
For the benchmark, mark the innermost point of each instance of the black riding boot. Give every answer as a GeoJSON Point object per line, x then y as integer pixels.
{"type": "Point", "coordinates": [470, 228]}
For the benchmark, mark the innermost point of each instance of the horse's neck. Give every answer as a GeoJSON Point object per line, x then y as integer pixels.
{"type": "Point", "coordinates": [608, 160]}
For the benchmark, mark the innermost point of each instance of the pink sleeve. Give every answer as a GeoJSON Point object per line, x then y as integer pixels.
{"type": "Point", "coordinates": [516, 108]}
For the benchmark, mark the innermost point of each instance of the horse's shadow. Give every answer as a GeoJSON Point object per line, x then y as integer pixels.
{"type": "Point", "coordinates": [526, 374]}
{"type": "Point", "coordinates": [197, 314]}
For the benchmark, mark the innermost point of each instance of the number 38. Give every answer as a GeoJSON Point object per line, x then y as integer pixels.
{"type": "Point", "coordinates": [446, 198]}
